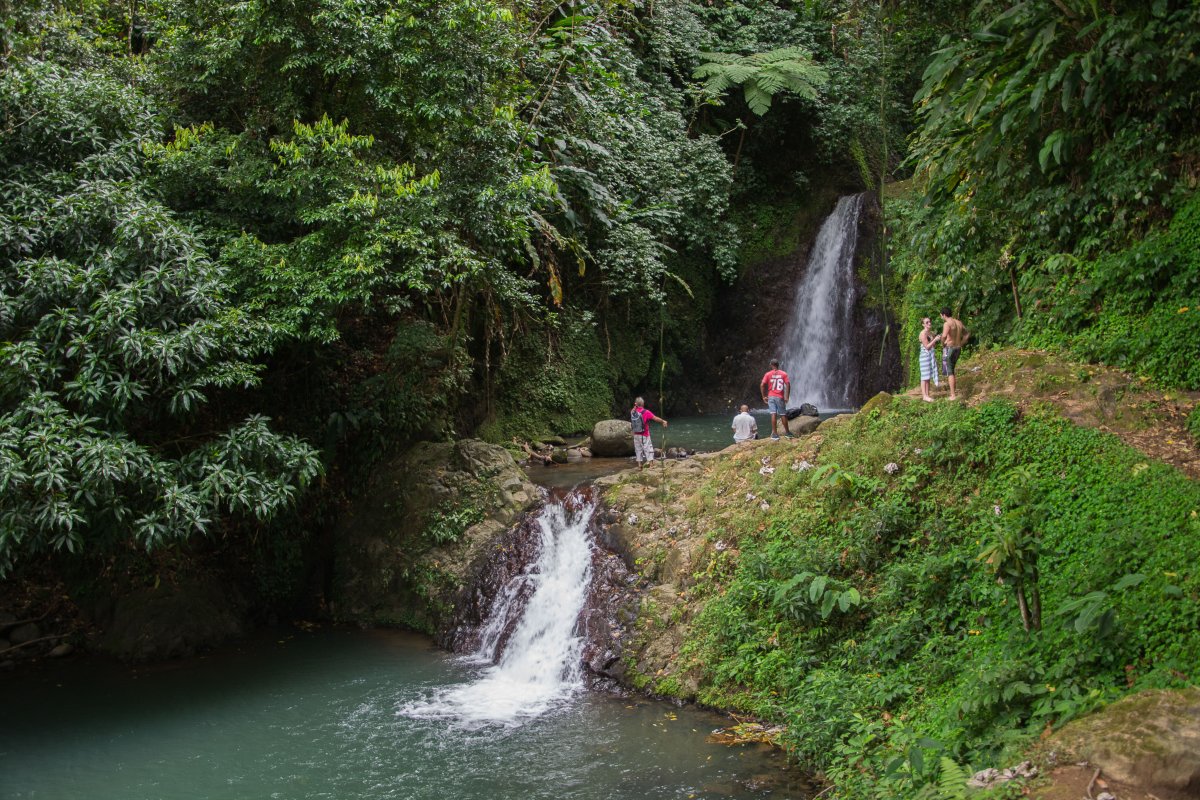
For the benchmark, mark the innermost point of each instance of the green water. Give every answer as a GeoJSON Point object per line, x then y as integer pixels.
{"type": "Point", "coordinates": [315, 715]}
{"type": "Point", "coordinates": [707, 433]}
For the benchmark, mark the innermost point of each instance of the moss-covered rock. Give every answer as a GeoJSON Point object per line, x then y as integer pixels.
{"type": "Point", "coordinates": [410, 543]}
{"type": "Point", "coordinates": [1150, 740]}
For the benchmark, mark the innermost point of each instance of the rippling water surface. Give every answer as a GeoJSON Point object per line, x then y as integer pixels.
{"type": "Point", "coordinates": [320, 715]}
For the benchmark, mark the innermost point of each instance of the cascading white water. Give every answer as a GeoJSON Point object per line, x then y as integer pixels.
{"type": "Point", "coordinates": [540, 665]}
{"type": "Point", "coordinates": [816, 347]}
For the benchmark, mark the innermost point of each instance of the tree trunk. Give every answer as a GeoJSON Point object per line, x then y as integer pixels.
{"type": "Point", "coordinates": [1023, 606]}
{"type": "Point", "coordinates": [1035, 607]}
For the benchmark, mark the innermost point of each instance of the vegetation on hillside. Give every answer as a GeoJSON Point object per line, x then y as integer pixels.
{"type": "Point", "coordinates": [1057, 157]}
{"type": "Point", "coordinates": [921, 582]}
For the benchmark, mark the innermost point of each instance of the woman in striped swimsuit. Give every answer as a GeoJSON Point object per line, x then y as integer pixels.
{"type": "Point", "coordinates": [929, 370]}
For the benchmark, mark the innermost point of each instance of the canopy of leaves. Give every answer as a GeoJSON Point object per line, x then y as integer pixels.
{"type": "Point", "coordinates": [114, 328]}
{"type": "Point", "coordinates": [762, 75]}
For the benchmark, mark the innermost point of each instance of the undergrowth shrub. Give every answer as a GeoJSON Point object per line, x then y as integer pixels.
{"type": "Point", "coordinates": [928, 659]}
{"type": "Point", "coordinates": [553, 381]}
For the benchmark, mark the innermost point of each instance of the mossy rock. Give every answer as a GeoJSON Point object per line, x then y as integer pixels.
{"type": "Point", "coordinates": [880, 401]}
{"type": "Point", "coordinates": [406, 546]}
{"type": "Point", "coordinates": [1150, 740]}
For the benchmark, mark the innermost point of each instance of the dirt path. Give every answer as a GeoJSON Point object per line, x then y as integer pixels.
{"type": "Point", "coordinates": [1146, 418]}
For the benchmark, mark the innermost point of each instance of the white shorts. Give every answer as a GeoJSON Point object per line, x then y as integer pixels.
{"type": "Point", "coordinates": [643, 448]}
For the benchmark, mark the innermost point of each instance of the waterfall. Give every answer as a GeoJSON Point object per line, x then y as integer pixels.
{"type": "Point", "coordinates": [531, 640]}
{"type": "Point", "coordinates": [816, 348]}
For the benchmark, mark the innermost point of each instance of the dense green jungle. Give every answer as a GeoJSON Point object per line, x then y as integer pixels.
{"type": "Point", "coordinates": [249, 251]}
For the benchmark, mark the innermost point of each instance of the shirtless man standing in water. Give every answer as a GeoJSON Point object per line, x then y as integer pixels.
{"type": "Point", "coordinates": [953, 336]}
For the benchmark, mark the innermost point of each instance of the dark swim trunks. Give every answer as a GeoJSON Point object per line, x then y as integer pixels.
{"type": "Point", "coordinates": [949, 359]}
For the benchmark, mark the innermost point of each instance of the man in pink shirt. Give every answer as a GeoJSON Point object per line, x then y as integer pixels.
{"type": "Point", "coordinates": [776, 390]}
{"type": "Point", "coordinates": [643, 448]}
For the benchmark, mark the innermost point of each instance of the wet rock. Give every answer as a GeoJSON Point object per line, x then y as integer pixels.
{"type": "Point", "coordinates": [804, 425]}
{"type": "Point", "coordinates": [508, 556]}
{"type": "Point", "coordinates": [553, 441]}
{"type": "Point", "coordinates": [559, 455]}
{"type": "Point", "coordinates": [612, 438]}
{"type": "Point", "coordinates": [610, 610]}
{"type": "Point", "coordinates": [62, 650]}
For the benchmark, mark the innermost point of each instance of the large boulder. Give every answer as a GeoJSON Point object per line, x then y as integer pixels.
{"type": "Point", "coordinates": [803, 425]}
{"type": "Point", "coordinates": [1150, 740]}
{"type": "Point", "coordinates": [612, 437]}
{"type": "Point", "coordinates": [410, 543]}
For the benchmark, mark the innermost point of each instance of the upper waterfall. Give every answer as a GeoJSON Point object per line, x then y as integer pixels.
{"type": "Point", "coordinates": [816, 347]}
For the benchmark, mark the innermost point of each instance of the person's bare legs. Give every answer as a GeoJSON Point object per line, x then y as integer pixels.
{"type": "Point", "coordinates": [925, 392]}
{"type": "Point", "coordinates": [950, 378]}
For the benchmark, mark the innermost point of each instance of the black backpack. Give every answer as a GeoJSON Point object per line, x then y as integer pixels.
{"type": "Point", "coordinates": [637, 423]}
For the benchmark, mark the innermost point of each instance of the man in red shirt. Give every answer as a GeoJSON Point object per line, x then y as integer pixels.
{"type": "Point", "coordinates": [776, 389]}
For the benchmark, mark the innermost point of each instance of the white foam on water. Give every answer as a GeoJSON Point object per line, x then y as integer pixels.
{"type": "Point", "coordinates": [540, 667]}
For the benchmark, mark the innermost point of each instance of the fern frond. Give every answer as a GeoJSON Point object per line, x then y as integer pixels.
{"type": "Point", "coordinates": [758, 100]}
{"type": "Point", "coordinates": [952, 780]}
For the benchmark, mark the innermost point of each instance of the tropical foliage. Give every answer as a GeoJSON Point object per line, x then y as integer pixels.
{"type": "Point", "coordinates": [1057, 153]}
{"type": "Point", "coordinates": [856, 599]}
{"type": "Point", "coordinates": [115, 331]}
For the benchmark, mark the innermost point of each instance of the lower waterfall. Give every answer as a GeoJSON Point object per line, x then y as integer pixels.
{"type": "Point", "coordinates": [531, 641]}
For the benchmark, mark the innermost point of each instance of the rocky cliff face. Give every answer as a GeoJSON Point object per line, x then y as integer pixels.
{"type": "Point", "coordinates": [645, 522]}
{"type": "Point", "coordinates": [877, 367]}
{"type": "Point", "coordinates": [743, 334]}
{"type": "Point", "coordinates": [428, 522]}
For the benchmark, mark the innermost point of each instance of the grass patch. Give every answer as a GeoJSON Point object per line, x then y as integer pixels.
{"type": "Point", "coordinates": [853, 597]}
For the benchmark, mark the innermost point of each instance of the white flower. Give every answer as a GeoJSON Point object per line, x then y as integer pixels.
{"type": "Point", "coordinates": [764, 505]}
{"type": "Point", "coordinates": [720, 546]}
{"type": "Point", "coordinates": [801, 466]}
{"type": "Point", "coordinates": [916, 451]}
{"type": "Point", "coordinates": [751, 496]}
{"type": "Point", "coordinates": [633, 519]}
{"type": "Point", "coordinates": [766, 471]}
{"type": "Point", "coordinates": [891, 468]}
{"type": "Point", "coordinates": [996, 510]}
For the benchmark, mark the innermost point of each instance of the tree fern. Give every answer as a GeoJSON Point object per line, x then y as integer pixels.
{"type": "Point", "coordinates": [762, 75]}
